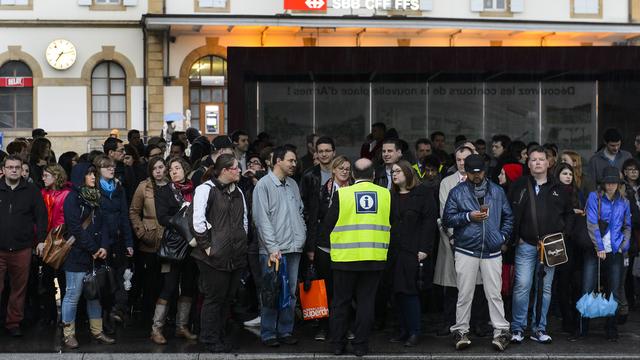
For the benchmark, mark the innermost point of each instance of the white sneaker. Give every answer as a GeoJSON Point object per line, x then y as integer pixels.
{"type": "Point", "coordinates": [541, 337]}
{"type": "Point", "coordinates": [253, 323]}
{"type": "Point", "coordinates": [517, 337]}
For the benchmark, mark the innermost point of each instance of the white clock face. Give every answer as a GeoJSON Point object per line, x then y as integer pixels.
{"type": "Point", "coordinates": [61, 54]}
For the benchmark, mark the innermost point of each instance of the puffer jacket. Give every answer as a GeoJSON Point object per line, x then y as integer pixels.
{"type": "Point", "coordinates": [617, 213]}
{"type": "Point", "coordinates": [142, 214]}
{"type": "Point", "coordinates": [54, 201]}
{"type": "Point", "coordinates": [482, 240]}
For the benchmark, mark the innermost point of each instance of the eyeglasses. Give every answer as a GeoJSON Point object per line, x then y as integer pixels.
{"type": "Point", "coordinates": [254, 162]}
{"type": "Point", "coordinates": [343, 169]}
{"type": "Point", "coordinates": [631, 170]}
{"type": "Point", "coordinates": [398, 171]}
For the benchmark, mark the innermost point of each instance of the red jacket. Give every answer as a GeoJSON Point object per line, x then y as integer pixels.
{"type": "Point", "coordinates": [54, 201]}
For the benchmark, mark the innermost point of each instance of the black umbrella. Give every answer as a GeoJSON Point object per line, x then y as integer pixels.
{"type": "Point", "coordinates": [540, 284]}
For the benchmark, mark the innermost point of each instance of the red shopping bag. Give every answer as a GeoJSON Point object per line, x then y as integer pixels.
{"type": "Point", "coordinates": [314, 302]}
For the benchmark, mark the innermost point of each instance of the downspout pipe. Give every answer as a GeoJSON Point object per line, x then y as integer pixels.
{"type": "Point", "coordinates": [145, 117]}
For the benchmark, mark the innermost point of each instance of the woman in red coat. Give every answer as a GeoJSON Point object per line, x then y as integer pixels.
{"type": "Point", "coordinates": [55, 191]}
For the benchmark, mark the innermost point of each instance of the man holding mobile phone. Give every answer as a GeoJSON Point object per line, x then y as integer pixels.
{"type": "Point", "coordinates": [481, 218]}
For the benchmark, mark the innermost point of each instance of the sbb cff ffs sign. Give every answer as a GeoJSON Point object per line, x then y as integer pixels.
{"type": "Point", "coordinates": [305, 5]}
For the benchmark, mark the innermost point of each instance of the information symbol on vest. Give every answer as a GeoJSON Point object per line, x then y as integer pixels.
{"type": "Point", "coordinates": [366, 202]}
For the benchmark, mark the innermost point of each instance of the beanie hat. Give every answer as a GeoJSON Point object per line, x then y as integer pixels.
{"type": "Point", "coordinates": [512, 171]}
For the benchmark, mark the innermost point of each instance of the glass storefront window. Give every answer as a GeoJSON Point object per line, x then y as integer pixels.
{"type": "Point", "coordinates": [342, 112]}
{"type": "Point", "coordinates": [286, 112]}
{"type": "Point", "coordinates": [569, 116]}
{"type": "Point", "coordinates": [560, 112]}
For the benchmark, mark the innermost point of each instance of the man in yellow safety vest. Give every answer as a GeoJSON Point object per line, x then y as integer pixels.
{"type": "Point", "coordinates": [358, 218]}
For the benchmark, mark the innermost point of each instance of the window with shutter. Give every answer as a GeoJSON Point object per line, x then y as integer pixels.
{"type": "Point", "coordinates": [16, 4]}
{"type": "Point", "coordinates": [586, 9]}
{"type": "Point", "coordinates": [212, 5]}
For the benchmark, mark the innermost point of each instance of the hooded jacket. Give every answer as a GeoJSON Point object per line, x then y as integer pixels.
{"type": "Point", "coordinates": [617, 213]}
{"type": "Point", "coordinates": [76, 211]}
{"type": "Point", "coordinates": [484, 239]}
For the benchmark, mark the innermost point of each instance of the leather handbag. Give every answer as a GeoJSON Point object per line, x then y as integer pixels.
{"type": "Point", "coordinates": [552, 245]}
{"type": "Point", "coordinates": [180, 222]}
{"type": "Point", "coordinates": [57, 244]}
{"type": "Point", "coordinates": [99, 282]}
{"type": "Point", "coordinates": [173, 247]}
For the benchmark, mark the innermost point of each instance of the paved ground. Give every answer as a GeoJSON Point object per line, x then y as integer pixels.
{"type": "Point", "coordinates": [42, 342]}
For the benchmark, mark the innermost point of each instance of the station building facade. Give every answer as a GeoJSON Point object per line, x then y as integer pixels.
{"type": "Point", "coordinates": [543, 70]}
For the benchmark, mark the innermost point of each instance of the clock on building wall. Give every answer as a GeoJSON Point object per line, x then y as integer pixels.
{"type": "Point", "coordinates": [61, 54]}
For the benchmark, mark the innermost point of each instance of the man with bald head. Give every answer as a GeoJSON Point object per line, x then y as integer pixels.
{"type": "Point", "coordinates": [358, 220]}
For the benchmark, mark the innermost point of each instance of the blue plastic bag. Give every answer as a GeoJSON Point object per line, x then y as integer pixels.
{"type": "Point", "coordinates": [285, 290]}
{"type": "Point", "coordinates": [595, 305]}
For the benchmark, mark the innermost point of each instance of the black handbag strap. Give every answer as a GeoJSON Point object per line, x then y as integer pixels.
{"type": "Point", "coordinates": [532, 203]}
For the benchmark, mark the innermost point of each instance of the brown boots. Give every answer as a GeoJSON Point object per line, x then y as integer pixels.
{"type": "Point", "coordinates": [182, 320]}
{"type": "Point", "coordinates": [69, 332]}
{"type": "Point", "coordinates": [159, 317]}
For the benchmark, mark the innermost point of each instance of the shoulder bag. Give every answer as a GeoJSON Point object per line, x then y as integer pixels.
{"type": "Point", "coordinates": [56, 247]}
{"type": "Point", "coordinates": [551, 245]}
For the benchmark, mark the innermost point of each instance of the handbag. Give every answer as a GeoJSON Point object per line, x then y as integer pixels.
{"type": "Point", "coordinates": [551, 245]}
{"type": "Point", "coordinates": [99, 282]}
{"type": "Point", "coordinates": [56, 247]}
{"type": "Point", "coordinates": [180, 222]}
{"type": "Point", "coordinates": [173, 247]}
{"type": "Point", "coordinates": [314, 300]}
{"type": "Point", "coordinates": [270, 292]}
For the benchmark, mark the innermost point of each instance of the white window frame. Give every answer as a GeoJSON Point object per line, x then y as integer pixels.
{"type": "Point", "coordinates": [107, 2]}
{"type": "Point", "coordinates": [494, 6]}
{"type": "Point", "coordinates": [212, 5]}
{"type": "Point", "coordinates": [109, 95]}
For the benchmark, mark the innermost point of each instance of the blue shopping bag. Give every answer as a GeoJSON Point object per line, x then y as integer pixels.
{"type": "Point", "coordinates": [285, 289]}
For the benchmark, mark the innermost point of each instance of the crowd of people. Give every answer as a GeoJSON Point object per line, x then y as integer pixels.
{"type": "Point", "coordinates": [423, 229]}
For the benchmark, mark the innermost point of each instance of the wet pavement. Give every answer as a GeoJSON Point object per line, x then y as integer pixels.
{"type": "Point", "coordinates": [134, 341]}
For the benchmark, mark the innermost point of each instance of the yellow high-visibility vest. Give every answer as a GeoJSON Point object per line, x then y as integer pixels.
{"type": "Point", "coordinates": [362, 231]}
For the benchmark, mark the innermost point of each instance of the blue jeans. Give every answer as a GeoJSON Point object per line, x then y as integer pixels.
{"type": "Point", "coordinates": [526, 271]}
{"type": "Point", "coordinates": [279, 323]}
{"type": "Point", "coordinates": [611, 267]}
{"type": "Point", "coordinates": [71, 297]}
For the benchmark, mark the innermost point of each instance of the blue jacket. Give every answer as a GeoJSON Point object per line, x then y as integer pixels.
{"type": "Point", "coordinates": [617, 213]}
{"type": "Point", "coordinates": [115, 218]}
{"type": "Point", "coordinates": [483, 240]}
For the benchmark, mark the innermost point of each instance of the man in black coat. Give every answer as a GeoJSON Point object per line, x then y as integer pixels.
{"type": "Point", "coordinates": [23, 217]}
{"type": "Point", "coordinates": [391, 154]}
{"type": "Point", "coordinates": [310, 189]}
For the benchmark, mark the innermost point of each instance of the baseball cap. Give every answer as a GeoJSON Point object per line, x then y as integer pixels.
{"type": "Point", "coordinates": [474, 163]}
{"type": "Point", "coordinates": [222, 142]}
{"type": "Point", "coordinates": [38, 133]}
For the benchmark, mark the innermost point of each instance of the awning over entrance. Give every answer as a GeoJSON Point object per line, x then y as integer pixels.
{"type": "Point", "coordinates": [376, 31]}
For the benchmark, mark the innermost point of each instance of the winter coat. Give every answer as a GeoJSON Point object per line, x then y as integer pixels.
{"type": "Point", "coordinates": [478, 239]}
{"type": "Point", "coordinates": [617, 213]}
{"type": "Point", "coordinates": [115, 217]}
{"type": "Point", "coordinates": [88, 241]}
{"type": "Point", "coordinates": [413, 224]}
{"type": "Point", "coordinates": [599, 161]}
{"type": "Point", "coordinates": [226, 212]}
{"type": "Point", "coordinates": [23, 216]}
{"type": "Point", "coordinates": [54, 202]}
{"type": "Point", "coordinates": [310, 194]}
{"type": "Point", "coordinates": [142, 214]}
{"type": "Point", "coordinates": [445, 270]}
